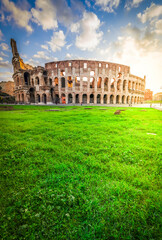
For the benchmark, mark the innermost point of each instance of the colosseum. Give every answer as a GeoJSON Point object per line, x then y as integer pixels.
{"type": "Point", "coordinates": [75, 81]}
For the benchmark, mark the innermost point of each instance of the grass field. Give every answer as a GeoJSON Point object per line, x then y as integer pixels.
{"type": "Point", "coordinates": [80, 173]}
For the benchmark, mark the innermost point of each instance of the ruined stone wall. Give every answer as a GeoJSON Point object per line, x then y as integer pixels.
{"type": "Point", "coordinates": [7, 87]}
{"type": "Point", "coordinates": [77, 81]}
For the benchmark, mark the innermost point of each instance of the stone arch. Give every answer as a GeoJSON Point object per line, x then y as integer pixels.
{"type": "Point", "coordinates": [98, 98]}
{"type": "Point", "coordinates": [50, 81]}
{"type": "Point", "coordinates": [135, 100]}
{"type": "Point", "coordinates": [70, 98]}
{"type": "Point", "coordinates": [106, 80]}
{"type": "Point", "coordinates": [129, 85]}
{"type": "Point", "coordinates": [84, 98]}
{"type": "Point", "coordinates": [132, 100]}
{"type": "Point", "coordinates": [138, 100]}
{"type": "Point", "coordinates": [32, 82]}
{"type": "Point", "coordinates": [118, 99]}
{"type": "Point", "coordinates": [112, 99]}
{"type": "Point", "coordinates": [37, 80]}
{"type": "Point", "coordinates": [69, 82]}
{"type": "Point", "coordinates": [133, 85]}
{"type": "Point", "coordinates": [77, 98]}
{"type": "Point", "coordinates": [63, 82]}
{"type": "Point", "coordinates": [123, 99]}
{"type": "Point", "coordinates": [128, 99]}
{"type": "Point", "coordinates": [112, 84]}
{"type": "Point", "coordinates": [56, 81]}
{"type": "Point", "coordinates": [63, 98]}
{"type": "Point", "coordinates": [105, 99]}
{"type": "Point", "coordinates": [52, 94]}
{"type": "Point", "coordinates": [27, 78]}
{"type": "Point", "coordinates": [119, 85]}
{"type": "Point", "coordinates": [38, 98]}
{"type": "Point", "coordinates": [22, 96]}
{"type": "Point", "coordinates": [92, 98]}
{"type": "Point", "coordinates": [92, 82]}
{"type": "Point", "coordinates": [44, 98]}
{"type": "Point", "coordinates": [32, 95]}
{"type": "Point", "coordinates": [124, 85]}
{"type": "Point", "coordinates": [99, 82]}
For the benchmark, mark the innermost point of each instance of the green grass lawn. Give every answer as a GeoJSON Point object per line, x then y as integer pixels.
{"type": "Point", "coordinates": [80, 173]}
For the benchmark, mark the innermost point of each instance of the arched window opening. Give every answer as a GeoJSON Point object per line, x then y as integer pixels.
{"type": "Point", "coordinates": [62, 73]}
{"type": "Point", "coordinates": [92, 81]}
{"type": "Point", "coordinates": [50, 81]}
{"type": "Point", "coordinates": [63, 98]}
{"type": "Point", "coordinates": [98, 98]}
{"type": "Point", "coordinates": [129, 85]}
{"type": "Point", "coordinates": [106, 84]}
{"type": "Point", "coordinates": [91, 98]}
{"type": "Point", "coordinates": [92, 73]}
{"type": "Point", "coordinates": [70, 98]}
{"type": "Point", "coordinates": [44, 98]}
{"type": "Point", "coordinates": [56, 82]}
{"type": "Point", "coordinates": [77, 81]}
{"type": "Point", "coordinates": [112, 99]}
{"type": "Point", "coordinates": [32, 82]}
{"type": "Point", "coordinates": [119, 85]}
{"type": "Point", "coordinates": [38, 98]}
{"type": "Point", "coordinates": [84, 98]}
{"type": "Point", "coordinates": [99, 82]}
{"type": "Point", "coordinates": [128, 99]}
{"type": "Point", "coordinates": [70, 82]}
{"type": "Point", "coordinates": [112, 84]}
{"type": "Point", "coordinates": [105, 99]}
{"type": "Point", "coordinates": [27, 78]}
{"type": "Point", "coordinates": [117, 99]}
{"type": "Point", "coordinates": [133, 85]}
{"type": "Point", "coordinates": [52, 94]}
{"type": "Point", "coordinates": [22, 98]}
{"type": "Point", "coordinates": [77, 98]}
{"type": "Point", "coordinates": [32, 95]}
{"type": "Point", "coordinates": [37, 80]}
{"type": "Point", "coordinates": [123, 99]}
{"type": "Point", "coordinates": [63, 82]}
{"type": "Point", "coordinates": [124, 85]}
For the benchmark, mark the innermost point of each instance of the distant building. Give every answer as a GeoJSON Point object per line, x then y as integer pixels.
{"type": "Point", "coordinates": [158, 96]}
{"type": "Point", "coordinates": [7, 87]}
{"type": "Point", "coordinates": [148, 95]}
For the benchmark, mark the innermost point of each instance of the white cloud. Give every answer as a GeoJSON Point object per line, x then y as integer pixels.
{"type": "Point", "coordinates": [89, 35]}
{"type": "Point", "coordinates": [45, 14]}
{"type": "Point", "coordinates": [153, 11]}
{"type": "Point", "coordinates": [3, 54]}
{"type": "Point", "coordinates": [5, 64]}
{"type": "Point", "coordinates": [57, 41]}
{"type": "Point", "coordinates": [4, 47]}
{"type": "Point", "coordinates": [44, 47]}
{"type": "Point", "coordinates": [158, 27]}
{"type": "Point", "coordinates": [68, 46]}
{"type": "Point", "coordinates": [21, 17]}
{"type": "Point", "coordinates": [88, 3]}
{"type": "Point", "coordinates": [2, 17]}
{"type": "Point", "coordinates": [27, 42]}
{"type": "Point", "coordinates": [108, 5]}
{"type": "Point", "coordinates": [139, 49]}
{"type": "Point", "coordinates": [48, 13]}
{"type": "Point", "coordinates": [68, 55]}
{"type": "Point", "coordinates": [1, 35]}
{"type": "Point", "coordinates": [41, 55]}
{"type": "Point", "coordinates": [131, 4]}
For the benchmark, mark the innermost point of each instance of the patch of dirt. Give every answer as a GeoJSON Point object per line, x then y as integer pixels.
{"type": "Point", "coordinates": [117, 112]}
{"type": "Point", "coordinates": [122, 109]}
{"type": "Point", "coordinates": [87, 108]}
{"type": "Point", "coordinates": [6, 108]}
{"type": "Point", "coordinates": [143, 111]}
{"type": "Point", "coordinates": [52, 110]}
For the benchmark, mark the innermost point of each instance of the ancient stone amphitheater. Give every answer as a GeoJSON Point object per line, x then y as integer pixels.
{"type": "Point", "coordinates": [75, 82]}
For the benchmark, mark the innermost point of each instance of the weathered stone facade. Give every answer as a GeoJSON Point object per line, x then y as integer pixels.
{"type": "Point", "coordinates": [76, 81]}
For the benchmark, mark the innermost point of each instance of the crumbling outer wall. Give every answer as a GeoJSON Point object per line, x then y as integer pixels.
{"type": "Point", "coordinates": [134, 86]}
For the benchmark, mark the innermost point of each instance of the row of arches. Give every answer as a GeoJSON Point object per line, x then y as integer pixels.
{"type": "Point", "coordinates": [79, 98]}
{"type": "Point", "coordinates": [70, 82]}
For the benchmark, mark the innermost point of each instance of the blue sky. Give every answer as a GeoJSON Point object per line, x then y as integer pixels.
{"type": "Point", "coordinates": [127, 32]}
